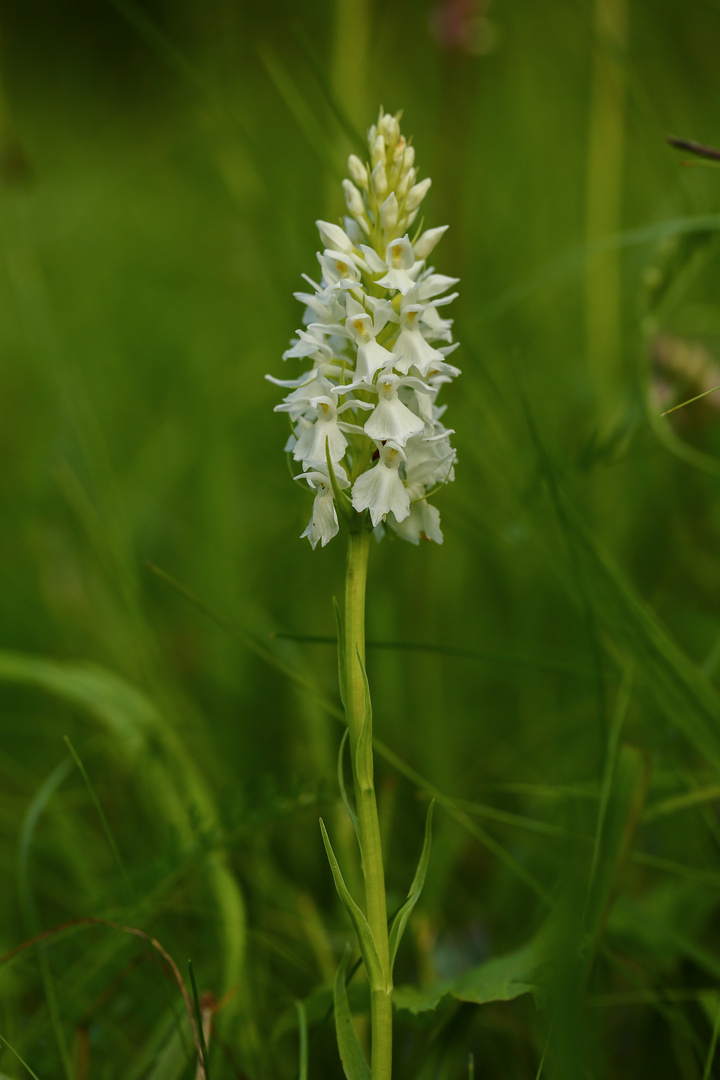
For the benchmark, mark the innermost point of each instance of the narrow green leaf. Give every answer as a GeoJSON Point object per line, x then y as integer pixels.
{"type": "Point", "coordinates": [170, 1060]}
{"type": "Point", "coordinates": [606, 787]}
{"type": "Point", "coordinates": [360, 923]}
{"type": "Point", "coordinates": [491, 656]}
{"type": "Point", "coordinates": [303, 1033]}
{"type": "Point", "coordinates": [101, 814]}
{"type": "Point", "coordinates": [173, 781]}
{"type": "Point", "coordinates": [689, 401]}
{"type": "Point", "coordinates": [27, 833]}
{"type": "Point", "coordinates": [624, 806]}
{"type": "Point", "coordinates": [401, 919]}
{"type": "Point", "coordinates": [713, 1044]}
{"type": "Point", "coordinates": [301, 680]}
{"type": "Point", "coordinates": [682, 692]}
{"type": "Point", "coordinates": [353, 1060]}
{"type": "Point", "coordinates": [341, 784]}
{"type": "Point", "coordinates": [686, 801]}
{"type": "Point", "coordinates": [364, 748]}
{"type": "Point", "coordinates": [199, 1021]}
{"type": "Point", "coordinates": [295, 100]}
{"type": "Point", "coordinates": [465, 821]}
{"type": "Point", "coordinates": [572, 261]}
{"type": "Point", "coordinates": [316, 61]}
{"type": "Point", "coordinates": [23, 1063]}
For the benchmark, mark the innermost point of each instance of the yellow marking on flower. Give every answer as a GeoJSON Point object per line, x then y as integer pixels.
{"type": "Point", "coordinates": [359, 325]}
{"type": "Point", "coordinates": [325, 407]}
{"type": "Point", "coordinates": [397, 251]}
{"type": "Point", "coordinates": [343, 268]}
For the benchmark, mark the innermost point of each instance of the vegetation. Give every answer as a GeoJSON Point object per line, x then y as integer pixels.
{"type": "Point", "coordinates": [169, 710]}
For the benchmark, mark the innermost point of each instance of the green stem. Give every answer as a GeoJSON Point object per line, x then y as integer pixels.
{"type": "Point", "coordinates": [366, 804]}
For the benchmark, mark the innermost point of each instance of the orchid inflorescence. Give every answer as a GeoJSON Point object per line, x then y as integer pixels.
{"type": "Point", "coordinates": [366, 426]}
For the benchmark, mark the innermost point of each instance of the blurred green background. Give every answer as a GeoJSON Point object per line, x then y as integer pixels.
{"type": "Point", "coordinates": [162, 165]}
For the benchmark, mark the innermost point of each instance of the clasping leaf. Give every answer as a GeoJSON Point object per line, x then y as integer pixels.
{"type": "Point", "coordinates": [353, 1060]}
{"type": "Point", "coordinates": [401, 919]}
{"type": "Point", "coordinates": [366, 941]}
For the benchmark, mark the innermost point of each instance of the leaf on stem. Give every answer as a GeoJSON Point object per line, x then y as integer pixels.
{"type": "Point", "coordinates": [343, 789]}
{"type": "Point", "coordinates": [353, 1060]}
{"type": "Point", "coordinates": [364, 747]}
{"type": "Point", "coordinates": [401, 919]}
{"type": "Point", "coordinates": [502, 978]}
{"type": "Point", "coordinates": [366, 941]}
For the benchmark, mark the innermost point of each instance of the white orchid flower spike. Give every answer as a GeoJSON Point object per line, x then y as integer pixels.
{"type": "Point", "coordinates": [365, 424]}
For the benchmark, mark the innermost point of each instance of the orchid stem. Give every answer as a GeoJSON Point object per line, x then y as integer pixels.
{"type": "Point", "coordinates": [366, 804]}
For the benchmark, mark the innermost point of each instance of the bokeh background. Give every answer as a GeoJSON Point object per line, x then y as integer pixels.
{"type": "Point", "coordinates": [553, 675]}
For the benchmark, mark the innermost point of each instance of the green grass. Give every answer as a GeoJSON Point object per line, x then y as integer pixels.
{"type": "Point", "coordinates": [161, 169]}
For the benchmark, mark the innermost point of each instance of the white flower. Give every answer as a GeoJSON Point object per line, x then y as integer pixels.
{"type": "Point", "coordinates": [323, 524]}
{"type": "Point", "coordinates": [399, 259]}
{"type": "Point", "coordinates": [422, 523]}
{"type": "Point", "coordinates": [390, 418]}
{"type": "Point", "coordinates": [308, 344]}
{"type": "Point", "coordinates": [311, 445]}
{"type": "Point", "coordinates": [428, 462]}
{"type": "Point", "coordinates": [414, 349]}
{"type": "Point", "coordinates": [371, 357]}
{"type": "Point", "coordinates": [339, 269]}
{"type": "Point", "coordinates": [374, 340]}
{"type": "Point", "coordinates": [380, 490]}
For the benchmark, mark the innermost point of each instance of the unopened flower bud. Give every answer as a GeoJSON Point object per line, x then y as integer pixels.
{"type": "Point", "coordinates": [409, 158]}
{"type": "Point", "coordinates": [389, 129]}
{"type": "Point", "coordinates": [357, 171]}
{"type": "Point", "coordinates": [333, 236]}
{"type": "Point", "coordinates": [378, 151]}
{"type": "Point", "coordinates": [353, 198]}
{"type": "Point", "coordinates": [407, 179]}
{"type": "Point", "coordinates": [389, 212]}
{"type": "Point", "coordinates": [425, 244]}
{"type": "Point", "coordinates": [378, 179]}
{"type": "Point", "coordinates": [416, 194]}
